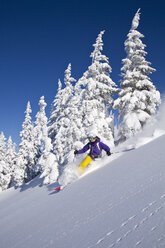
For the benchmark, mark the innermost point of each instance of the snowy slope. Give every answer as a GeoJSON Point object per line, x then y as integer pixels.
{"type": "Point", "coordinates": [119, 205]}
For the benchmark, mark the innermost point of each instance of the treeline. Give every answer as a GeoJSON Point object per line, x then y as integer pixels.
{"type": "Point", "coordinates": [81, 105]}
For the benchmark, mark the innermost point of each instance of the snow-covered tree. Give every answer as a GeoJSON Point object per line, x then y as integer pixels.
{"type": "Point", "coordinates": [10, 151]}
{"type": "Point", "coordinates": [25, 161]}
{"type": "Point", "coordinates": [96, 94]}
{"type": "Point", "coordinates": [2, 147]}
{"type": "Point", "coordinates": [63, 120]}
{"type": "Point", "coordinates": [42, 140]}
{"type": "Point", "coordinates": [50, 169]}
{"type": "Point", "coordinates": [11, 155]}
{"type": "Point", "coordinates": [5, 175]}
{"type": "Point", "coordinates": [74, 130]}
{"type": "Point", "coordinates": [46, 164]}
{"type": "Point", "coordinates": [55, 112]}
{"type": "Point", "coordinates": [138, 97]}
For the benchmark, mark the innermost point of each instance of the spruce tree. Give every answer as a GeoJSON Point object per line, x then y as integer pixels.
{"type": "Point", "coordinates": [41, 129]}
{"type": "Point", "coordinates": [25, 161]}
{"type": "Point", "coordinates": [138, 97]}
{"type": "Point", "coordinates": [55, 112]}
{"type": "Point", "coordinates": [74, 131]}
{"type": "Point", "coordinates": [5, 175]}
{"type": "Point", "coordinates": [96, 91]}
{"type": "Point", "coordinates": [46, 164]}
{"type": "Point", "coordinates": [11, 157]}
{"type": "Point", "coordinates": [63, 120]}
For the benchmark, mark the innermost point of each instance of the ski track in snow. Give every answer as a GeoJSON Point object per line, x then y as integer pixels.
{"type": "Point", "coordinates": [150, 210]}
{"type": "Point", "coordinates": [121, 201]}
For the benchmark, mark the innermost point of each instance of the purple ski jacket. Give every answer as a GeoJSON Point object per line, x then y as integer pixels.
{"type": "Point", "coordinates": [95, 148]}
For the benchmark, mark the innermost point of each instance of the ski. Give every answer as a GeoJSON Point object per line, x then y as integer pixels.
{"type": "Point", "coordinates": [59, 188]}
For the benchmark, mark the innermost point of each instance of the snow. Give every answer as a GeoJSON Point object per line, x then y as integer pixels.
{"type": "Point", "coordinates": [119, 204]}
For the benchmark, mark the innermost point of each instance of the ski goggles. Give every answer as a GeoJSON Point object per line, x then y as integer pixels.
{"type": "Point", "coordinates": [91, 138]}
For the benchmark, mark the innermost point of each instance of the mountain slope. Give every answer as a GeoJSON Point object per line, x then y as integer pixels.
{"type": "Point", "coordinates": [119, 205]}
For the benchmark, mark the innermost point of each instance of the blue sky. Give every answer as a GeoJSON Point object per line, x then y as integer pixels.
{"type": "Point", "coordinates": [38, 38]}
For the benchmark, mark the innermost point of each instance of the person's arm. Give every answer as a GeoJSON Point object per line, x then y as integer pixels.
{"type": "Point", "coordinates": [84, 149]}
{"type": "Point", "coordinates": [105, 148]}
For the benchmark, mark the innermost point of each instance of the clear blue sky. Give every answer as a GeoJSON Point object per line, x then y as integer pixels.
{"type": "Point", "coordinates": [38, 38]}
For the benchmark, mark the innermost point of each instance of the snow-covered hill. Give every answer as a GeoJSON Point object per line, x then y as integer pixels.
{"type": "Point", "coordinates": [121, 204]}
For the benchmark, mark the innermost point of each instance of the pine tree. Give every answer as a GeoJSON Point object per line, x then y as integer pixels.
{"type": "Point", "coordinates": [25, 161]}
{"type": "Point", "coordinates": [55, 112]}
{"type": "Point", "coordinates": [74, 131]}
{"type": "Point", "coordinates": [50, 169]}
{"type": "Point", "coordinates": [41, 128]}
{"type": "Point", "coordinates": [47, 164]}
{"type": "Point", "coordinates": [96, 94]}
{"type": "Point", "coordinates": [138, 97]}
{"type": "Point", "coordinates": [2, 147]}
{"type": "Point", "coordinates": [5, 175]}
{"type": "Point", "coordinates": [63, 120]}
{"type": "Point", "coordinates": [42, 141]}
{"type": "Point", "coordinates": [11, 156]}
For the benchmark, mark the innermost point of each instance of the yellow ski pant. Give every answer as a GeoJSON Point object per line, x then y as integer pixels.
{"type": "Point", "coordinates": [84, 164]}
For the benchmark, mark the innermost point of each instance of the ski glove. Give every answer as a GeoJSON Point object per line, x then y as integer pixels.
{"type": "Point", "coordinates": [108, 153]}
{"type": "Point", "coordinates": [75, 152]}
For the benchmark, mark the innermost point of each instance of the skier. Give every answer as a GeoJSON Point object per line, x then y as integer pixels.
{"type": "Point", "coordinates": [96, 147]}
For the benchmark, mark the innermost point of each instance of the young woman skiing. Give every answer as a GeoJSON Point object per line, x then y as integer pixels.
{"type": "Point", "coordinates": [95, 146]}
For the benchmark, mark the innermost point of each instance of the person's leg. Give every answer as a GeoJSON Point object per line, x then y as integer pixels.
{"type": "Point", "coordinates": [84, 164]}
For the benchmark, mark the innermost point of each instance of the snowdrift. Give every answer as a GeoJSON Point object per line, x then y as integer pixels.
{"type": "Point", "coordinates": [121, 204]}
